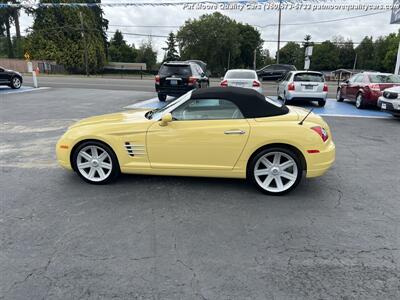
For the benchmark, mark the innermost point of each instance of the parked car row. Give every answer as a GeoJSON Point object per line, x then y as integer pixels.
{"type": "Point", "coordinates": [366, 88]}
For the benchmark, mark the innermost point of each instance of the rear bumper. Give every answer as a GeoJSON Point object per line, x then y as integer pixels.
{"type": "Point", "coordinates": [319, 163]}
{"type": "Point", "coordinates": [310, 96]}
{"type": "Point", "coordinates": [173, 91]}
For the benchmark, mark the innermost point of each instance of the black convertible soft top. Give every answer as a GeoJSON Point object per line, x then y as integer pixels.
{"type": "Point", "coordinates": [251, 103]}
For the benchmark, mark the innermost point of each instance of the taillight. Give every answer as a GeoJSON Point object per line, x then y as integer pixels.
{"type": "Point", "coordinates": [192, 80]}
{"type": "Point", "coordinates": [325, 88]}
{"type": "Point", "coordinates": [224, 83]}
{"type": "Point", "coordinates": [291, 86]}
{"type": "Point", "coordinates": [322, 132]}
{"type": "Point", "coordinates": [157, 78]}
{"type": "Point", "coordinates": [256, 83]}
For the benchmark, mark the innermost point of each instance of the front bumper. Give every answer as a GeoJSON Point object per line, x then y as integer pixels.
{"type": "Point", "coordinates": [63, 152]}
{"type": "Point", "coordinates": [392, 106]}
{"type": "Point", "coordinates": [319, 163]}
{"type": "Point", "coordinates": [310, 96]}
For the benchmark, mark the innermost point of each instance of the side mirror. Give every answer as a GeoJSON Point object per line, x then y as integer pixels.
{"type": "Point", "coordinates": [165, 119]}
{"type": "Point", "coordinates": [203, 74]}
{"type": "Point", "coordinates": [1, 70]}
{"type": "Point", "coordinates": [347, 81]}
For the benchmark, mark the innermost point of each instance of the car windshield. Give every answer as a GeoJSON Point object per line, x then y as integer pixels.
{"type": "Point", "coordinates": [384, 78]}
{"type": "Point", "coordinates": [308, 77]}
{"type": "Point", "coordinates": [241, 75]}
{"type": "Point", "coordinates": [180, 70]}
{"type": "Point", "coordinates": [156, 114]}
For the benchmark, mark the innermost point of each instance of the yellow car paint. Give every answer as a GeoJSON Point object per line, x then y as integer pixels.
{"type": "Point", "coordinates": [199, 148]}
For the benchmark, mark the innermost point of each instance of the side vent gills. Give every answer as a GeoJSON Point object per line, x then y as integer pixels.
{"type": "Point", "coordinates": [128, 148]}
{"type": "Point", "coordinates": [135, 150]}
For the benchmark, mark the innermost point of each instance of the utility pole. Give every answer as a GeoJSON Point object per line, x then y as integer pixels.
{"type": "Point", "coordinates": [229, 59]}
{"type": "Point", "coordinates": [397, 69]}
{"type": "Point", "coordinates": [355, 62]}
{"type": "Point", "coordinates": [279, 31]}
{"type": "Point", "coordinates": [255, 59]}
{"type": "Point", "coordinates": [85, 44]}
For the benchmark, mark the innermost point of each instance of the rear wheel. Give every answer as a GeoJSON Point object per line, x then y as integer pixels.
{"type": "Point", "coordinates": [162, 97]}
{"type": "Point", "coordinates": [275, 171]}
{"type": "Point", "coordinates": [95, 162]}
{"type": "Point", "coordinates": [15, 83]}
{"type": "Point", "coordinates": [321, 103]}
{"type": "Point", "coordinates": [339, 97]}
{"type": "Point", "coordinates": [360, 101]}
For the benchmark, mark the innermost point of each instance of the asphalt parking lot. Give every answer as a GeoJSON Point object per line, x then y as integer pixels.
{"type": "Point", "coordinates": [148, 237]}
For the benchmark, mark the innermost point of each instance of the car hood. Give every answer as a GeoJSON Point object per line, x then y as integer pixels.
{"type": "Point", "coordinates": [120, 118]}
{"type": "Point", "coordinates": [395, 89]}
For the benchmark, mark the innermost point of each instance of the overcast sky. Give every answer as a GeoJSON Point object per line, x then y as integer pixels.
{"type": "Point", "coordinates": [355, 29]}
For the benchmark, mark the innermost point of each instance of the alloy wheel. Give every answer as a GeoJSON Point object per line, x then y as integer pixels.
{"type": "Point", "coordinates": [276, 172]}
{"type": "Point", "coordinates": [94, 163]}
{"type": "Point", "coordinates": [16, 83]}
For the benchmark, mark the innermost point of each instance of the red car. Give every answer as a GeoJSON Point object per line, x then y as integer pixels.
{"type": "Point", "coordinates": [365, 88]}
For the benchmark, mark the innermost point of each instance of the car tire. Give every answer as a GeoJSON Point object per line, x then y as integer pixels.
{"type": "Point", "coordinates": [15, 83]}
{"type": "Point", "coordinates": [95, 162]}
{"type": "Point", "coordinates": [162, 97]}
{"type": "Point", "coordinates": [321, 103]}
{"type": "Point", "coordinates": [339, 97]}
{"type": "Point", "coordinates": [282, 175]}
{"type": "Point", "coordinates": [360, 101]}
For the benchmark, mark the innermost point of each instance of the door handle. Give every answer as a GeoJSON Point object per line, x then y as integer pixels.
{"type": "Point", "coordinates": [235, 132]}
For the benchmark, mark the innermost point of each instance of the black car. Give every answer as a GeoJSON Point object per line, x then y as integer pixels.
{"type": "Point", "coordinates": [177, 78]}
{"type": "Point", "coordinates": [11, 78]}
{"type": "Point", "coordinates": [275, 72]}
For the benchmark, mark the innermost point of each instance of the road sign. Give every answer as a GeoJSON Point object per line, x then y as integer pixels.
{"type": "Point", "coordinates": [307, 62]}
{"type": "Point", "coordinates": [396, 12]}
{"type": "Point", "coordinates": [27, 56]}
{"type": "Point", "coordinates": [309, 50]}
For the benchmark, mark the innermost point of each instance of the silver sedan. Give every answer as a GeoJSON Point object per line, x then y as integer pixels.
{"type": "Point", "coordinates": [303, 85]}
{"type": "Point", "coordinates": [242, 78]}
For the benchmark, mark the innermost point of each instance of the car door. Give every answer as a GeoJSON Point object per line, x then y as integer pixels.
{"type": "Point", "coordinates": [283, 83]}
{"type": "Point", "coordinates": [3, 76]}
{"type": "Point", "coordinates": [353, 86]}
{"type": "Point", "coordinates": [268, 72]}
{"type": "Point", "coordinates": [204, 135]}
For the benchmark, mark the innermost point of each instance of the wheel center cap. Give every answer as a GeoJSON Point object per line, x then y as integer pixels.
{"type": "Point", "coordinates": [95, 163]}
{"type": "Point", "coordinates": [275, 171]}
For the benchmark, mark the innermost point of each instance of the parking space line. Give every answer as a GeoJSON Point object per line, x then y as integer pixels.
{"type": "Point", "coordinates": [22, 90]}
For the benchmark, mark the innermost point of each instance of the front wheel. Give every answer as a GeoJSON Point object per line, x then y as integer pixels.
{"type": "Point", "coordinates": [95, 162]}
{"type": "Point", "coordinates": [15, 83]}
{"type": "Point", "coordinates": [275, 171]}
{"type": "Point", "coordinates": [360, 101]}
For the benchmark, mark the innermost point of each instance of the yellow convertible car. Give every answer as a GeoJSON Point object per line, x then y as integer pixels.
{"type": "Point", "coordinates": [215, 132]}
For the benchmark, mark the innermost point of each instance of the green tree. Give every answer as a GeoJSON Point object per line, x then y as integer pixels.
{"type": "Point", "coordinates": [325, 57]}
{"type": "Point", "coordinates": [119, 50]}
{"type": "Point", "coordinates": [212, 38]}
{"type": "Point", "coordinates": [292, 54]}
{"type": "Point", "coordinates": [250, 42]}
{"type": "Point", "coordinates": [365, 54]}
{"type": "Point", "coordinates": [56, 35]}
{"type": "Point", "coordinates": [147, 55]}
{"type": "Point", "coordinates": [171, 52]}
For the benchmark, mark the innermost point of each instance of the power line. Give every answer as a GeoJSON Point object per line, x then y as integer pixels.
{"type": "Point", "coordinates": [260, 26]}
{"type": "Point", "coordinates": [320, 22]}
